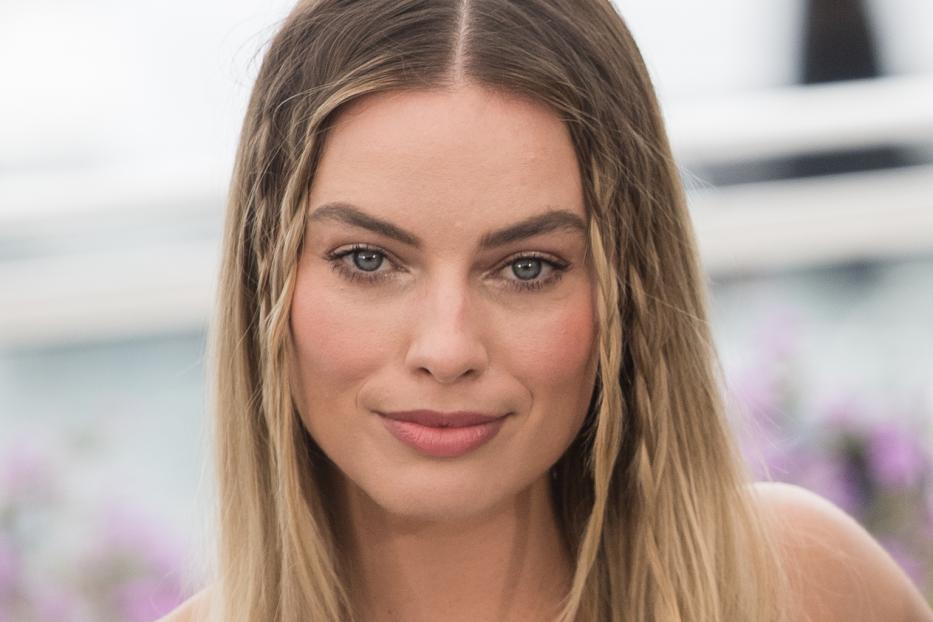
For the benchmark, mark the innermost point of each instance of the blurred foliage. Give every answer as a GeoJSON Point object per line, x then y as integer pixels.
{"type": "Point", "coordinates": [63, 562]}
{"type": "Point", "coordinates": [872, 458]}
{"type": "Point", "coordinates": [78, 554]}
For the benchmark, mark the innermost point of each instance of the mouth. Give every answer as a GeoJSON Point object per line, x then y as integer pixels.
{"type": "Point", "coordinates": [437, 419]}
{"type": "Point", "coordinates": [445, 441]}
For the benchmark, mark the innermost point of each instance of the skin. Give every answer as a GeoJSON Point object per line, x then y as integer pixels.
{"type": "Point", "coordinates": [475, 537]}
{"type": "Point", "coordinates": [472, 537]}
{"type": "Point", "coordinates": [839, 572]}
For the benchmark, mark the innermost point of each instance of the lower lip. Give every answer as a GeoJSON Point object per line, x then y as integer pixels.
{"type": "Point", "coordinates": [443, 442]}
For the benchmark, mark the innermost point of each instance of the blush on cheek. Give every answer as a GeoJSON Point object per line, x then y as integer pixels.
{"type": "Point", "coordinates": [336, 343]}
{"type": "Point", "coordinates": [563, 346]}
{"type": "Point", "coordinates": [325, 343]}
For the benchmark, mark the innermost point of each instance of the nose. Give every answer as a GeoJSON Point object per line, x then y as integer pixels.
{"type": "Point", "coordinates": [446, 342]}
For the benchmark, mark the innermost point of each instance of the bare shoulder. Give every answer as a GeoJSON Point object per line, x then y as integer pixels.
{"type": "Point", "coordinates": [192, 610]}
{"type": "Point", "coordinates": [838, 571]}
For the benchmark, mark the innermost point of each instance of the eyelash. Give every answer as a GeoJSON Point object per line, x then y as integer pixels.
{"type": "Point", "coordinates": [336, 258]}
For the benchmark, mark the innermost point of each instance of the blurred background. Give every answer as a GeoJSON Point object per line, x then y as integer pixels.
{"type": "Point", "coordinates": [804, 130]}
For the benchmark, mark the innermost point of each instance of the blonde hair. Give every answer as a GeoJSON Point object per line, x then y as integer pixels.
{"type": "Point", "coordinates": [654, 500]}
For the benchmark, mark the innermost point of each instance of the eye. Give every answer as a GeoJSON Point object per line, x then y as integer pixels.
{"type": "Point", "coordinates": [528, 266]}
{"type": "Point", "coordinates": [365, 262]}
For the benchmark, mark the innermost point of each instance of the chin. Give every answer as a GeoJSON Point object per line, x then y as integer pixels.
{"type": "Point", "coordinates": [433, 504]}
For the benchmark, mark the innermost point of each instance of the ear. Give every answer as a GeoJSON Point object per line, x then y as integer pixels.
{"type": "Point", "coordinates": [837, 569]}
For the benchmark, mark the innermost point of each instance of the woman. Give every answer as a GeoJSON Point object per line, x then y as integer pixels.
{"type": "Point", "coordinates": [466, 214]}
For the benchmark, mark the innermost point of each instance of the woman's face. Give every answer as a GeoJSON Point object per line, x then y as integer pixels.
{"type": "Point", "coordinates": [431, 318]}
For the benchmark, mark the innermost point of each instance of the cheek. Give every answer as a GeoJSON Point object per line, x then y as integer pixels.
{"type": "Point", "coordinates": [556, 364]}
{"type": "Point", "coordinates": [329, 338]}
{"type": "Point", "coordinates": [556, 353]}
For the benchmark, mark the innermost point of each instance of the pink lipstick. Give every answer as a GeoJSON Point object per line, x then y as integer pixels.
{"type": "Point", "coordinates": [442, 435]}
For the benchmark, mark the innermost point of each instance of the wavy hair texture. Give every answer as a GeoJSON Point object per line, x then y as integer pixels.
{"type": "Point", "coordinates": [653, 496]}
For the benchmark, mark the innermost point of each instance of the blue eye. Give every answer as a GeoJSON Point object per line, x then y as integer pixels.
{"type": "Point", "coordinates": [529, 266]}
{"type": "Point", "coordinates": [367, 261]}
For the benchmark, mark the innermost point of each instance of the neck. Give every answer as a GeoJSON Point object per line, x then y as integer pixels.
{"type": "Point", "coordinates": [510, 564]}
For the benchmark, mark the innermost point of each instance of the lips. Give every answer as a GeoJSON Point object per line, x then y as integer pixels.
{"type": "Point", "coordinates": [443, 435]}
{"type": "Point", "coordinates": [437, 419]}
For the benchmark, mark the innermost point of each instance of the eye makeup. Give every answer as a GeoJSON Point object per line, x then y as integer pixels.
{"type": "Point", "coordinates": [553, 267]}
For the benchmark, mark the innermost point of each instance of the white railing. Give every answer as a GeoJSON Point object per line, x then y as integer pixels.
{"type": "Point", "coordinates": [803, 119]}
{"type": "Point", "coordinates": [778, 225]}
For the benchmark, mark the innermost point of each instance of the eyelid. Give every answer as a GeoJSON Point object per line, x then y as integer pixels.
{"type": "Point", "coordinates": [556, 262]}
{"type": "Point", "coordinates": [359, 246]}
{"type": "Point", "coordinates": [558, 268]}
{"type": "Point", "coordinates": [560, 263]}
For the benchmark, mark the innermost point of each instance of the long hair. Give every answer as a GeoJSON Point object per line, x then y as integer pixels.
{"type": "Point", "coordinates": [653, 498]}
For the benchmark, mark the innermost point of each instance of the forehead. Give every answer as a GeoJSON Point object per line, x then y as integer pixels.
{"type": "Point", "coordinates": [465, 156]}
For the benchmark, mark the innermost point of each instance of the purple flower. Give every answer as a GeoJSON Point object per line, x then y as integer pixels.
{"type": "Point", "coordinates": [756, 390]}
{"type": "Point", "coordinates": [905, 559]}
{"type": "Point", "coordinates": [895, 458]}
{"type": "Point", "coordinates": [756, 401]}
{"type": "Point", "coordinates": [779, 333]}
{"type": "Point", "coordinates": [149, 559]}
{"type": "Point", "coordinates": [148, 598]}
{"type": "Point", "coordinates": [126, 530]}
{"type": "Point", "coordinates": [843, 413]}
{"type": "Point", "coordinates": [925, 525]}
{"type": "Point", "coordinates": [9, 567]}
{"type": "Point", "coordinates": [25, 471]}
{"type": "Point", "coordinates": [54, 603]}
{"type": "Point", "coordinates": [833, 479]}
{"type": "Point", "coordinates": [788, 460]}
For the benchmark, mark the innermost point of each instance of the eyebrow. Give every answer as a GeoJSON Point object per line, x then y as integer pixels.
{"type": "Point", "coordinates": [547, 222]}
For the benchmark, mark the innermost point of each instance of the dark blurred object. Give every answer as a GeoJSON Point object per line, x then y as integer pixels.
{"type": "Point", "coordinates": [838, 42]}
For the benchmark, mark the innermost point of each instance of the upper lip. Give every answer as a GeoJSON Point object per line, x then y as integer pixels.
{"type": "Point", "coordinates": [437, 419]}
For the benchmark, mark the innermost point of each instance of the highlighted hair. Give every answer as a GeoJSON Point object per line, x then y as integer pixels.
{"type": "Point", "coordinates": [654, 501]}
